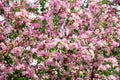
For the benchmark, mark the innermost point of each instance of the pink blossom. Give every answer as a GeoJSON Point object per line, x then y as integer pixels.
{"type": "Point", "coordinates": [17, 51]}
{"type": "Point", "coordinates": [112, 77]}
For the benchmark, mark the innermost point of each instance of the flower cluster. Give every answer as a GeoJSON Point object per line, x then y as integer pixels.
{"type": "Point", "coordinates": [59, 40]}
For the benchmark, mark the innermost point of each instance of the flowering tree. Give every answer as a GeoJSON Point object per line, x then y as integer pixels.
{"type": "Point", "coordinates": [59, 40]}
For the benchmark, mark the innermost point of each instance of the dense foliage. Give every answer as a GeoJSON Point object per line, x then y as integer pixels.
{"type": "Point", "coordinates": [59, 40]}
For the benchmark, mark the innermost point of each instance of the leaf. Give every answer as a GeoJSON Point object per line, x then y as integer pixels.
{"type": "Point", "coordinates": [109, 44]}
{"type": "Point", "coordinates": [21, 78]}
{"type": "Point", "coordinates": [24, 26]}
{"type": "Point", "coordinates": [53, 49]}
{"type": "Point", "coordinates": [25, 51]}
{"type": "Point", "coordinates": [84, 63]}
{"type": "Point", "coordinates": [34, 21]}
{"type": "Point", "coordinates": [16, 10]}
{"type": "Point", "coordinates": [58, 74]}
{"type": "Point", "coordinates": [43, 29]}
{"type": "Point", "coordinates": [8, 60]}
{"type": "Point", "coordinates": [82, 75]}
{"type": "Point", "coordinates": [68, 78]}
{"type": "Point", "coordinates": [65, 67]}
{"type": "Point", "coordinates": [72, 10]}
{"type": "Point", "coordinates": [42, 59]}
{"type": "Point", "coordinates": [105, 63]}
{"type": "Point", "coordinates": [72, 51]}
{"type": "Point", "coordinates": [15, 33]}
{"type": "Point", "coordinates": [63, 50]}
{"type": "Point", "coordinates": [74, 1]}
{"type": "Point", "coordinates": [51, 67]}
{"type": "Point", "coordinates": [116, 52]}
{"type": "Point", "coordinates": [105, 1]}
{"type": "Point", "coordinates": [26, 39]}
{"type": "Point", "coordinates": [107, 73]}
{"type": "Point", "coordinates": [10, 76]}
{"type": "Point", "coordinates": [2, 11]}
{"type": "Point", "coordinates": [34, 56]}
{"type": "Point", "coordinates": [86, 5]}
{"type": "Point", "coordinates": [76, 32]}
{"type": "Point", "coordinates": [67, 20]}
{"type": "Point", "coordinates": [86, 27]}
{"type": "Point", "coordinates": [40, 72]}
{"type": "Point", "coordinates": [56, 20]}
{"type": "Point", "coordinates": [105, 54]}
{"type": "Point", "coordinates": [34, 10]}
{"type": "Point", "coordinates": [43, 2]}
{"type": "Point", "coordinates": [44, 22]}
{"type": "Point", "coordinates": [46, 79]}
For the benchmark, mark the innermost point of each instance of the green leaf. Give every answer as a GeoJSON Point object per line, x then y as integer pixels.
{"type": "Point", "coordinates": [67, 20]}
{"type": "Point", "coordinates": [105, 54]}
{"type": "Point", "coordinates": [72, 10]}
{"type": "Point", "coordinates": [46, 79]}
{"type": "Point", "coordinates": [86, 5]}
{"type": "Point", "coordinates": [35, 56]}
{"type": "Point", "coordinates": [24, 26]}
{"type": "Point", "coordinates": [65, 67]}
{"type": "Point", "coordinates": [68, 78]}
{"type": "Point", "coordinates": [40, 72]}
{"type": "Point", "coordinates": [118, 60]}
{"type": "Point", "coordinates": [86, 27]}
{"type": "Point", "coordinates": [10, 76]}
{"type": "Point", "coordinates": [102, 10]}
{"type": "Point", "coordinates": [105, 1]}
{"type": "Point", "coordinates": [34, 21]}
{"type": "Point", "coordinates": [44, 22]}
{"type": "Point", "coordinates": [100, 72]}
{"type": "Point", "coordinates": [15, 34]}
{"type": "Point", "coordinates": [109, 44]}
{"type": "Point", "coordinates": [76, 32]}
{"type": "Point", "coordinates": [116, 52]}
{"type": "Point", "coordinates": [56, 20]}
{"type": "Point", "coordinates": [107, 73]}
{"type": "Point", "coordinates": [72, 40]}
{"type": "Point", "coordinates": [43, 29]}
{"type": "Point", "coordinates": [72, 51]}
{"type": "Point", "coordinates": [26, 39]}
{"type": "Point", "coordinates": [21, 78]}
{"type": "Point", "coordinates": [51, 67]}
{"type": "Point", "coordinates": [105, 63]}
{"type": "Point", "coordinates": [84, 63]}
{"type": "Point", "coordinates": [63, 50]}
{"type": "Point", "coordinates": [34, 10]}
{"type": "Point", "coordinates": [16, 10]}
{"type": "Point", "coordinates": [58, 74]}
{"type": "Point", "coordinates": [53, 49]}
{"type": "Point", "coordinates": [18, 72]}
{"type": "Point", "coordinates": [82, 75]}
{"type": "Point", "coordinates": [74, 1]}
{"type": "Point", "coordinates": [43, 2]}
{"type": "Point", "coordinates": [25, 52]}
{"type": "Point", "coordinates": [8, 60]}
{"type": "Point", "coordinates": [2, 11]}
{"type": "Point", "coordinates": [42, 59]}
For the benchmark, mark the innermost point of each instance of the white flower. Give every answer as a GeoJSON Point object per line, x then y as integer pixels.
{"type": "Point", "coordinates": [32, 1]}
{"type": "Point", "coordinates": [32, 16]}
{"type": "Point", "coordinates": [34, 62]}
{"type": "Point", "coordinates": [1, 18]}
{"type": "Point", "coordinates": [28, 48]}
{"type": "Point", "coordinates": [67, 31]}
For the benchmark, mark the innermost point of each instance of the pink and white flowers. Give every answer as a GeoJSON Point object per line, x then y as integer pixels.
{"type": "Point", "coordinates": [59, 40]}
